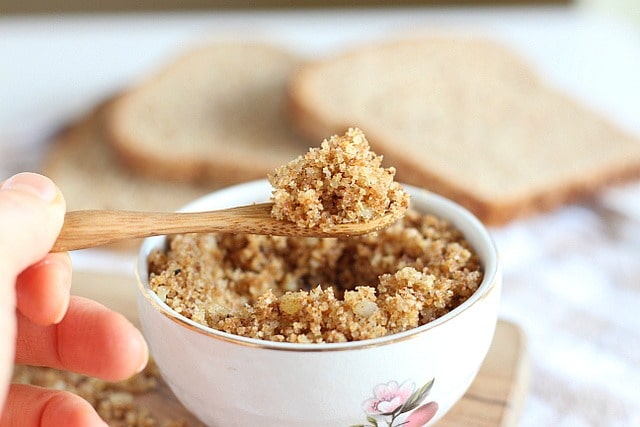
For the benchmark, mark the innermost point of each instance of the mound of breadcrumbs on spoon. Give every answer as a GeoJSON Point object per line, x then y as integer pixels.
{"type": "Point", "coordinates": [342, 181]}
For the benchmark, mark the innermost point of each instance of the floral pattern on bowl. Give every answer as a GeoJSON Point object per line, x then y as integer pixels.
{"type": "Point", "coordinates": [395, 405]}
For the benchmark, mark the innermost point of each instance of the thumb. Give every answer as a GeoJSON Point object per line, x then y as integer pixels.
{"type": "Point", "coordinates": [31, 216]}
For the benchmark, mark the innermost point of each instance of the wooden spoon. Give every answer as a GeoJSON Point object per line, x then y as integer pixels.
{"type": "Point", "coordinates": [90, 228]}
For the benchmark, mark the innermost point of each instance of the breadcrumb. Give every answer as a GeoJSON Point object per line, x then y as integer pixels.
{"type": "Point", "coordinates": [115, 402]}
{"type": "Point", "coordinates": [342, 181]}
{"type": "Point", "coordinates": [310, 290]}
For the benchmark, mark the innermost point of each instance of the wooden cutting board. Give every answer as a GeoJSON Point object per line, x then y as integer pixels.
{"type": "Point", "coordinates": [494, 399]}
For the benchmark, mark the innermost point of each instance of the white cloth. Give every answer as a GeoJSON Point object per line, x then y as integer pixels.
{"type": "Point", "coordinates": [572, 282]}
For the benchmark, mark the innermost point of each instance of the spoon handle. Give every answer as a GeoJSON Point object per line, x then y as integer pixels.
{"type": "Point", "coordinates": [90, 228]}
{"type": "Point", "coordinates": [86, 229]}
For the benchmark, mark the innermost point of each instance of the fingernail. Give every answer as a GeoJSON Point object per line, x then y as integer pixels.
{"type": "Point", "coordinates": [146, 357]}
{"type": "Point", "coordinates": [32, 183]}
{"type": "Point", "coordinates": [63, 277]}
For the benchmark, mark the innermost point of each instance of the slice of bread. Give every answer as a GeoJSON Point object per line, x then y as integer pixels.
{"type": "Point", "coordinates": [466, 118]}
{"type": "Point", "coordinates": [83, 165]}
{"type": "Point", "coordinates": [216, 114]}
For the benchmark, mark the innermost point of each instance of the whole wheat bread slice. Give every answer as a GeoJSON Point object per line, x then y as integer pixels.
{"type": "Point", "coordinates": [87, 171]}
{"type": "Point", "coordinates": [216, 114]}
{"type": "Point", "coordinates": [466, 118]}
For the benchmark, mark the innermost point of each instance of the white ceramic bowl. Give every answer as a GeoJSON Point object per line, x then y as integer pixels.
{"type": "Point", "coordinates": [227, 380]}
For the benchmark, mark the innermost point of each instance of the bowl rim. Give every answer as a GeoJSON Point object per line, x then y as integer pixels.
{"type": "Point", "coordinates": [459, 217]}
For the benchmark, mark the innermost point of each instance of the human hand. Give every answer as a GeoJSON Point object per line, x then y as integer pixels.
{"type": "Point", "coordinates": [40, 324]}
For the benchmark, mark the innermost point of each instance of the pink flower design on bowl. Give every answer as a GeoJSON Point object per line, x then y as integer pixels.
{"type": "Point", "coordinates": [395, 405]}
{"type": "Point", "coordinates": [388, 397]}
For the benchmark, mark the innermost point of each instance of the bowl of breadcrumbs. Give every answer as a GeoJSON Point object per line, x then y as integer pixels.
{"type": "Point", "coordinates": [387, 328]}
